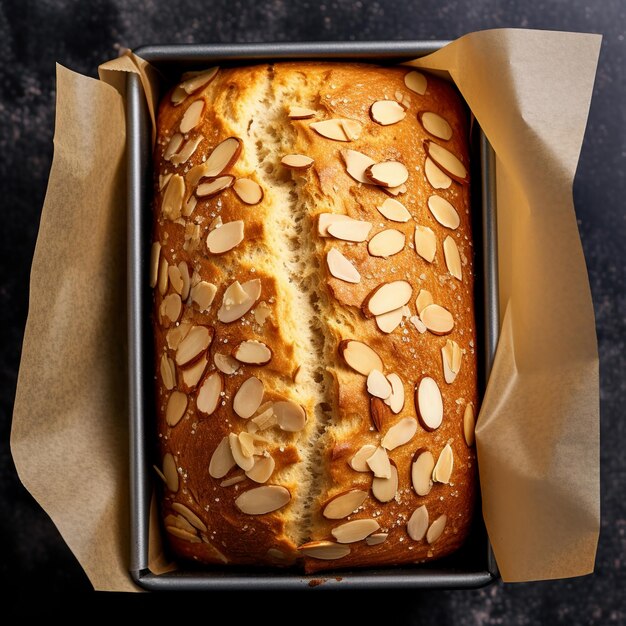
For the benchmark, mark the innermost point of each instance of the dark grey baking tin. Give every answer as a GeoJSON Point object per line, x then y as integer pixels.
{"type": "Point", "coordinates": [471, 568]}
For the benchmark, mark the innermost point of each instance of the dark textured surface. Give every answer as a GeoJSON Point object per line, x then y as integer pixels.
{"type": "Point", "coordinates": [35, 565]}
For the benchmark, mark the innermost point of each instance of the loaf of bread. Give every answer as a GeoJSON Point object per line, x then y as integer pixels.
{"type": "Point", "coordinates": [312, 267]}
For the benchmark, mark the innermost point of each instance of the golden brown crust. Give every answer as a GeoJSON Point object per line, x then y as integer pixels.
{"type": "Point", "coordinates": [236, 102]}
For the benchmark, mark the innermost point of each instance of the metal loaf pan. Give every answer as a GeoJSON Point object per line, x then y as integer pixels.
{"type": "Point", "coordinates": [472, 566]}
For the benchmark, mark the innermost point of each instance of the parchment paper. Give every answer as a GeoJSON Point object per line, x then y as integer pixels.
{"type": "Point", "coordinates": [538, 428]}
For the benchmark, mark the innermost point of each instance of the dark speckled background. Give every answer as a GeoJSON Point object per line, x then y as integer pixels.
{"type": "Point", "coordinates": [38, 574]}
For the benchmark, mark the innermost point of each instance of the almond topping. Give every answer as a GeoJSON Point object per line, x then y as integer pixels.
{"type": "Point", "coordinates": [437, 178]}
{"type": "Point", "coordinates": [178, 521]}
{"type": "Point", "coordinates": [356, 164]}
{"type": "Point", "coordinates": [199, 80]}
{"type": "Point", "coordinates": [238, 300]}
{"type": "Point", "coordinates": [376, 538]}
{"type": "Point", "coordinates": [394, 191]}
{"type": "Point", "coordinates": [359, 461]}
{"type": "Point", "coordinates": [360, 357]}
{"type": "Point", "coordinates": [436, 529]}
{"type": "Point", "coordinates": [203, 294]}
{"type": "Point", "coordinates": [300, 113]}
{"type": "Point", "coordinates": [422, 471]}
{"type": "Point", "coordinates": [424, 298]}
{"type": "Point", "coordinates": [253, 352]}
{"type": "Point", "coordinates": [446, 161]}
{"type": "Point", "coordinates": [262, 470]}
{"type": "Point", "coordinates": [174, 144]}
{"type": "Point", "coordinates": [453, 258]}
{"type": "Point", "coordinates": [246, 443]}
{"type": "Point", "coordinates": [171, 308]}
{"type": "Point", "coordinates": [155, 254]}
{"type": "Point", "coordinates": [425, 243]}
{"type": "Point", "coordinates": [352, 129]}
{"type": "Point", "coordinates": [176, 407]}
{"type": "Point", "coordinates": [192, 375]}
{"type": "Point", "coordinates": [469, 424]}
{"type": "Point", "coordinates": [195, 343]}
{"type": "Point", "coordinates": [192, 116]}
{"type": "Point", "coordinates": [226, 363]}
{"type": "Point", "coordinates": [388, 322]}
{"type": "Point", "coordinates": [388, 173]}
{"type": "Point", "coordinates": [264, 420]}
{"type": "Point", "coordinates": [176, 280]}
{"type": "Point", "coordinates": [349, 230]}
{"type": "Point", "coordinates": [245, 462]}
{"type": "Point", "coordinates": [248, 398]}
{"type": "Point", "coordinates": [178, 95]}
{"type": "Point", "coordinates": [185, 153]}
{"type": "Point", "coordinates": [237, 477]}
{"type": "Point", "coordinates": [344, 504]}
{"type": "Point", "coordinates": [190, 516]}
{"type": "Point", "coordinates": [337, 129]}
{"type": "Point", "coordinates": [384, 489]}
{"type": "Point", "coordinates": [378, 385]}
{"type": "Point", "coordinates": [341, 268]}
{"type": "Point", "coordinates": [177, 334]}
{"type": "Point", "coordinates": [394, 211]}
{"type": "Point", "coordinates": [396, 400]}
{"type": "Point", "coordinates": [379, 463]}
{"type": "Point", "coordinates": [225, 237]}
{"type": "Point", "coordinates": [355, 530]}
{"type": "Point", "coordinates": [416, 81]}
{"type": "Point", "coordinates": [386, 112]}
{"type": "Point", "coordinates": [324, 550]}
{"type": "Point", "coordinates": [261, 313]}
{"type": "Point", "coordinates": [183, 534]}
{"type": "Point", "coordinates": [163, 280]}
{"type": "Point", "coordinates": [207, 190]}
{"type": "Point", "coordinates": [435, 125]}
{"type": "Point", "coordinates": [163, 180]}
{"type": "Point", "coordinates": [173, 198]}
{"type": "Point", "coordinates": [248, 191]}
{"type": "Point", "coordinates": [297, 161]}
{"type": "Point", "coordinates": [418, 523]}
{"type": "Point", "coordinates": [222, 158]}
{"type": "Point", "coordinates": [378, 413]}
{"type": "Point", "coordinates": [183, 268]}
{"type": "Point", "coordinates": [261, 500]}
{"type": "Point", "coordinates": [326, 219]}
{"type": "Point", "coordinates": [189, 206]}
{"type": "Point", "coordinates": [222, 460]}
{"type": "Point", "coordinates": [400, 433]}
{"type": "Point", "coordinates": [443, 212]}
{"type": "Point", "coordinates": [419, 325]}
{"type": "Point", "coordinates": [210, 393]}
{"type": "Point", "coordinates": [291, 416]}
{"type": "Point", "coordinates": [451, 356]}
{"type": "Point", "coordinates": [168, 372]}
{"type": "Point", "coordinates": [386, 243]}
{"type": "Point", "coordinates": [170, 472]}
{"type": "Point", "coordinates": [429, 404]}
{"type": "Point", "coordinates": [387, 297]}
{"type": "Point", "coordinates": [443, 469]}
{"type": "Point", "coordinates": [438, 320]}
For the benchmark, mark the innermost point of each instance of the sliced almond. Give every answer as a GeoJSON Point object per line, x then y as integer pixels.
{"type": "Point", "coordinates": [418, 523]}
{"type": "Point", "coordinates": [416, 81]}
{"type": "Point", "coordinates": [193, 374]}
{"type": "Point", "coordinates": [168, 372]}
{"type": "Point", "coordinates": [207, 190]}
{"type": "Point", "coordinates": [170, 472]}
{"type": "Point", "coordinates": [198, 339]}
{"type": "Point", "coordinates": [176, 280]}
{"type": "Point", "coordinates": [178, 521]}
{"type": "Point", "coordinates": [376, 539]}
{"type": "Point", "coordinates": [356, 530]}
{"type": "Point", "coordinates": [379, 463]}
{"type": "Point", "coordinates": [386, 243]}
{"type": "Point", "coordinates": [453, 258]}
{"type": "Point", "coordinates": [422, 471]}
{"type": "Point", "coordinates": [291, 417]}
{"type": "Point", "coordinates": [226, 363]}
{"type": "Point", "coordinates": [225, 238]}
{"type": "Point", "coordinates": [378, 412]}
{"type": "Point", "coordinates": [171, 309]}
{"type": "Point", "coordinates": [177, 334]}
{"type": "Point", "coordinates": [238, 300]}
{"type": "Point", "coordinates": [451, 356]}
{"type": "Point", "coordinates": [253, 352]}
{"type": "Point", "coordinates": [429, 404]}
{"type": "Point", "coordinates": [248, 191]}
{"type": "Point", "coordinates": [190, 516]}
{"type": "Point", "coordinates": [264, 420]}
{"type": "Point", "coordinates": [344, 504]}
{"type": "Point", "coordinates": [400, 433]}
{"type": "Point", "coordinates": [352, 129]}
{"type": "Point", "coordinates": [360, 357]}
{"type": "Point", "coordinates": [443, 468]}
{"type": "Point", "coordinates": [387, 297]}
{"type": "Point", "coordinates": [349, 230]}
{"type": "Point", "coordinates": [337, 129]}
{"type": "Point", "coordinates": [262, 470]}
{"type": "Point", "coordinates": [210, 393]}
{"type": "Point", "coordinates": [388, 322]}
{"type": "Point", "coordinates": [185, 153]}
{"type": "Point", "coordinates": [248, 398]}
{"type": "Point", "coordinates": [202, 294]}
{"type": "Point", "coordinates": [324, 220]}
{"type": "Point", "coordinates": [443, 212]}
{"type": "Point", "coordinates": [163, 180]}
{"type": "Point", "coordinates": [438, 320]}
{"type": "Point", "coordinates": [435, 125]}
{"type": "Point", "coordinates": [199, 80]}
{"type": "Point", "coordinates": [178, 95]}
{"type": "Point", "coordinates": [385, 489]}
{"type": "Point", "coordinates": [172, 203]}
{"type": "Point", "coordinates": [297, 161]}
{"type": "Point", "coordinates": [424, 298]}
{"type": "Point", "coordinates": [183, 269]}
{"type": "Point", "coordinates": [237, 477]}
{"type": "Point", "coordinates": [175, 408]}
{"type": "Point", "coordinates": [394, 191]}
{"type": "Point", "coordinates": [341, 268]}
{"type": "Point", "coordinates": [173, 146]}
{"type": "Point", "coordinates": [378, 385]}
{"type": "Point", "coordinates": [417, 322]}
{"type": "Point", "coordinates": [425, 243]}
{"type": "Point", "coordinates": [222, 158]}
{"type": "Point", "coordinates": [396, 400]}
{"type": "Point", "coordinates": [437, 178]}
{"type": "Point", "coordinates": [222, 460]}
{"type": "Point", "coordinates": [261, 500]}
{"type": "Point", "coordinates": [324, 550]}
{"type": "Point", "coordinates": [245, 462]}
{"type": "Point", "coordinates": [192, 116]}
{"type": "Point", "coordinates": [469, 424]}
{"type": "Point", "coordinates": [446, 161]}
{"type": "Point", "coordinates": [261, 313]}
{"type": "Point", "coordinates": [394, 210]}
{"type": "Point", "coordinates": [300, 113]}
{"type": "Point", "coordinates": [387, 112]}
{"type": "Point", "coordinates": [436, 529]}
{"type": "Point", "coordinates": [189, 206]}
{"type": "Point", "coordinates": [183, 534]}
{"type": "Point", "coordinates": [388, 173]}
{"type": "Point", "coordinates": [246, 444]}
{"type": "Point", "coordinates": [155, 254]}
{"type": "Point", "coordinates": [359, 461]}
{"type": "Point", "coordinates": [356, 164]}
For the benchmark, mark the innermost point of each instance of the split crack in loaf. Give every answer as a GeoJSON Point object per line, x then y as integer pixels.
{"type": "Point", "coordinates": [312, 271]}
